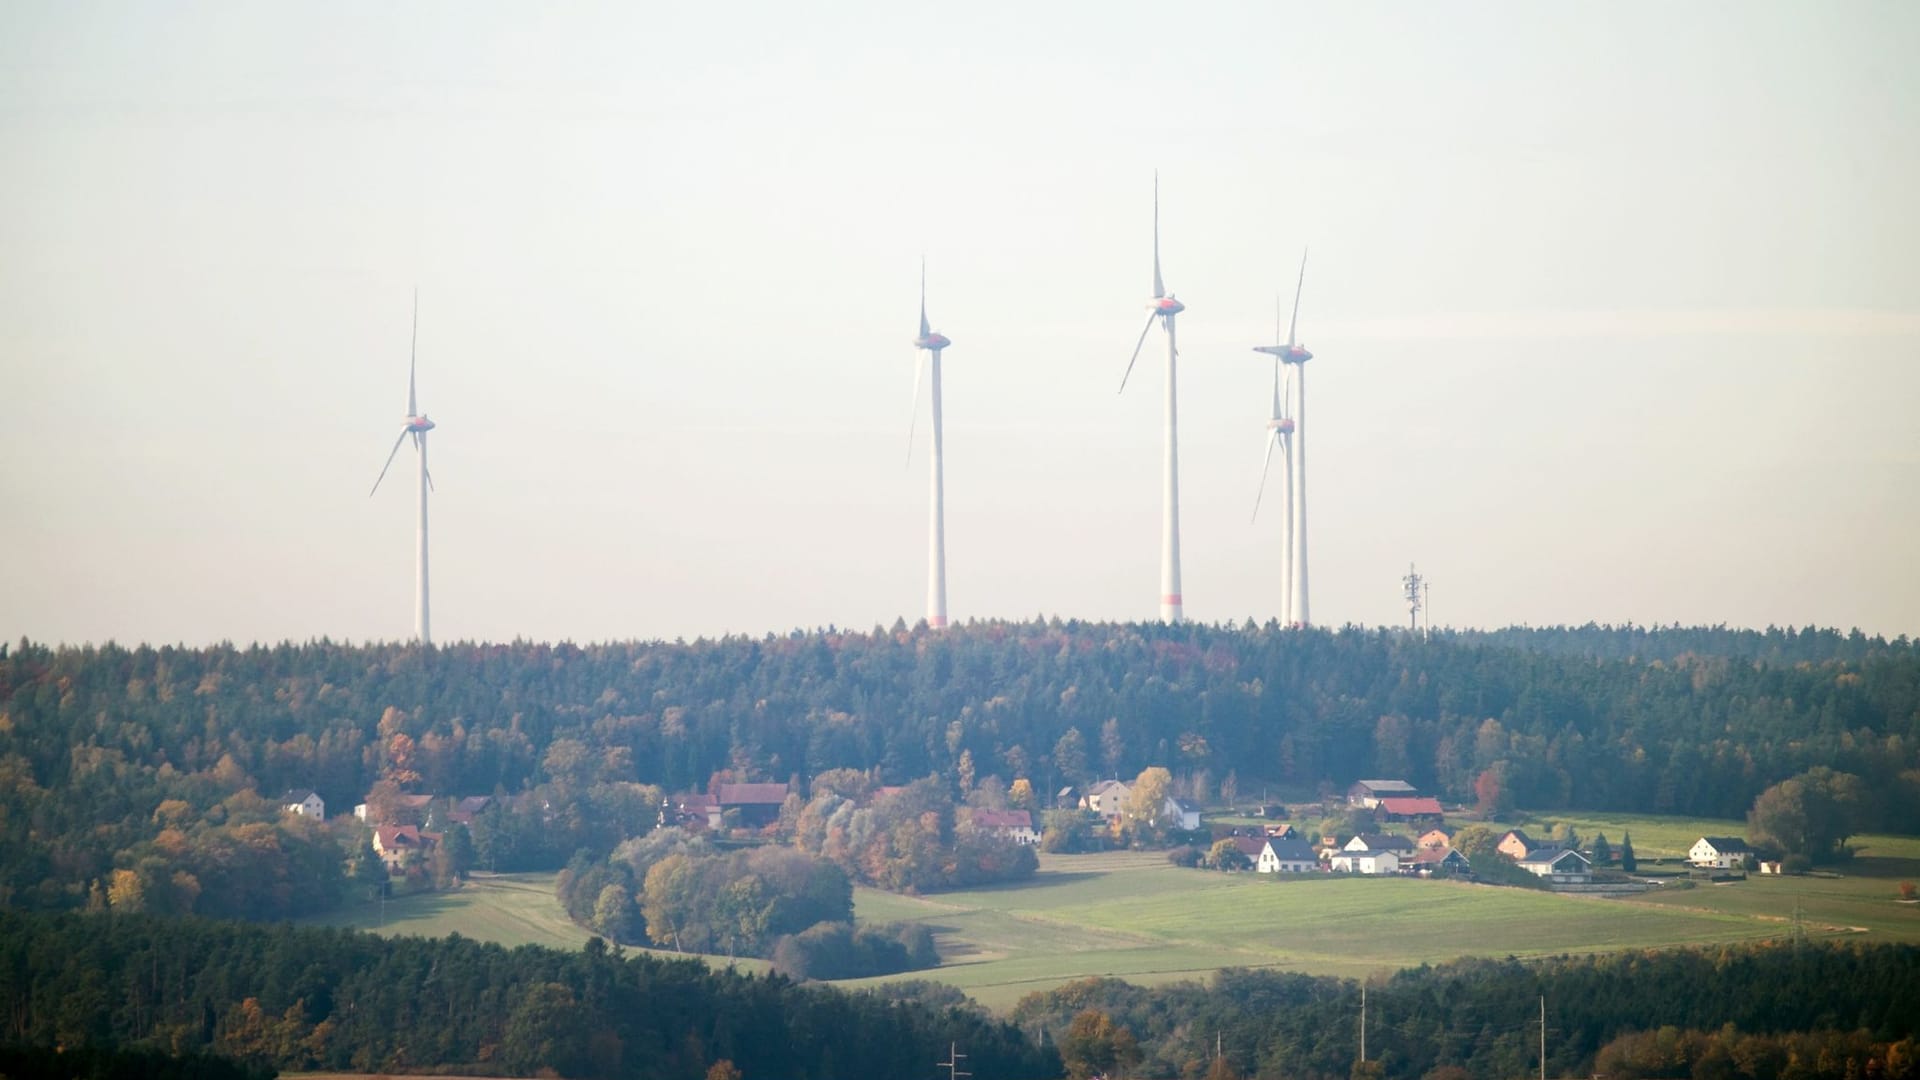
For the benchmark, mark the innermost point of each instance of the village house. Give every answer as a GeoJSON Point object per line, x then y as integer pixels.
{"type": "Point", "coordinates": [1108, 798]}
{"type": "Point", "coordinates": [1558, 865]}
{"type": "Point", "coordinates": [1286, 855]}
{"type": "Point", "coordinates": [399, 846]}
{"type": "Point", "coordinates": [1252, 847]}
{"type": "Point", "coordinates": [1515, 844]}
{"type": "Point", "coordinates": [1719, 852]}
{"type": "Point", "coordinates": [1399, 845]}
{"type": "Point", "coordinates": [1368, 793]}
{"type": "Point", "coordinates": [1440, 860]}
{"type": "Point", "coordinates": [1066, 798]}
{"type": "Point", "coordinates": [1365, 862]}
{"type": "Point", "coordinates": [1182, 814]}
{"type": "Point", "coordinates": [1014, 825]}
{"type": "Point", "coordinates": [305, 802]}
{"type": "Point", "coordinates": [1440, 836]}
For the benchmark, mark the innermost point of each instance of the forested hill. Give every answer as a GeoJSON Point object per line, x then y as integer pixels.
{"type": "Point", "coordinates": [1774, 645]}
{"type": "Point", "coordinates": [105, 748]}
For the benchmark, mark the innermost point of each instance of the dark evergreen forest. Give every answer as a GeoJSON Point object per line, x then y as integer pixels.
{"type": "Point", "coordinates": [1474, 1018]}
{"type": "Point", "coordinates": [328, 999]}
{"type": "Point", "coordinates": [139, 769]}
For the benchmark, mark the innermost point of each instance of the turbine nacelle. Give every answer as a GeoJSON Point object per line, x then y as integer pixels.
{"type": "Point", "coordinates": [1289, 354]}
{"type": "Point", "coordinates": [419, 424]}
{"type": "Point", "coordinates": [1281, 424]}
{"type": "Point", "coordinates": [1166, 305]}
{"type": "Point", "coordinates": [933, 341]}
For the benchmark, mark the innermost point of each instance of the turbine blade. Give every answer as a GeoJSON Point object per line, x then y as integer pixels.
{"type": "Point", "coordinates": [1273, 439]}
{"type": "Point", "coordinates": [1291, 326]}
{"type": "Point", "coordinates": [413, 353]}
{"type": "Point", "coordinates": [1136, 350]}
{"type": "Point", "coordinates": [391, 454]}
{"type": "Point", "coordinates": [924, 328]}
{"type": "Point", "coordinates": [913, 417]}
{"type": "Point", "coordinates": [429, 473]}
{"type": "Point", "coordinates": [1159, 289]}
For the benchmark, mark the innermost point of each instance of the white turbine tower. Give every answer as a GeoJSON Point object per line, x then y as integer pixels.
{"type": "Point", "coordinates": [937, 525]}
{"type": "Point", "coordinates": [416, 425]}
{"type": "Point", "coordinates": [1291, 432]}
{"type": "Point", "coordinates": [1280, 434]}
{"type": "Point", "coordinates": [1164, 307]}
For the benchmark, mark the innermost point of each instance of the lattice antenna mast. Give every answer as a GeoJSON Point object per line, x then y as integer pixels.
{"type": "Point", "coordinates": [952, 1064]}
{"type": "Point", "coordinates": [1414, 596]}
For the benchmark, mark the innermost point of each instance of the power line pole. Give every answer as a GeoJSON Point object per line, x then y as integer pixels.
{"type": "Point", "coordinates": [1363, 1023]}
{"type": "Point", "coordinates": [952, 1064]}
{"type": "Point", "coordinates": [1543, 1037]}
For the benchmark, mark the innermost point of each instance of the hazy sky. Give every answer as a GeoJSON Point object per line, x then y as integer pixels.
{"type": "Point", "coordinates": [1615, 308]}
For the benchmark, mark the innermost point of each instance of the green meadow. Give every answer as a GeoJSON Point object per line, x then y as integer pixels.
{"type": "Point", "coordinates": [1135, 916]}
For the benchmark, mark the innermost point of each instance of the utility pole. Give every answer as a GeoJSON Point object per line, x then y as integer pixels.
{"type": "Point", "coordinates": [952, 1064]}
{"type": "Point", "coordinates": [1363, 1022]}
{"type": "Point", "coordinates": [1543, 1037]}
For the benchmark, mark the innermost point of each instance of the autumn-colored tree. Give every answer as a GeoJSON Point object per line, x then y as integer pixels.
{"type": "Point", "coordinates": [1095, 1046]}
{"type": "Point", "coordinates": [1146, 810]}
{"type": "Point", "coordinates": [1490, 789]}
{"type": "Point", "coordinates": [1020, 795]}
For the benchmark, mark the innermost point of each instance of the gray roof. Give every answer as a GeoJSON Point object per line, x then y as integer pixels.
{"type": "Point", "coordinates": [1547, 856]}
{"type": "Point", "coordinates": [1289, 849]}
{"type": "Point", "coordinates": [1727, 845]}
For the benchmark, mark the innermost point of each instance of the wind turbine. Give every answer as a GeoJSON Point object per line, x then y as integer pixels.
{"type": "Point", "coordinates": [1164, 307]}
{"type": "Point", "coordinates": [937, 526]}
{"type": "Point", "coordinates": [416, 425]}
{"type": "Point", "coordinates": [1280, 435]}
{"type": "Point", "coordinates": [1293, 459]}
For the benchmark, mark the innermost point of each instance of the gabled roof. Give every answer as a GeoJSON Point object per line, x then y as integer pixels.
{"type": "Point", "coordinates": [1101, 787]}
{"type": "Point", "coordinates": [473, 804]}
{"type": "Point", "coordinates": [1550, 856]}
{"type": "Point", "coordinates": [1002, 819]}
{"type": "Point", "coordinates": [1727, 845]}
{"type": "Point", "coordinates": [1183, 806]}
{"type": "Point", "coordinates": [1386, 787]}
{"type": "Point", "coordinates": [298, 795]}
{"type": "Point", "coordinates": [1373, 841]}
{"type": "Point", "coordinates": [1250, 846]}
{"type": "Point", "coordinates": [1525, 840]}
{"type": "Point", "coordinates": [752, 794]}
{"type": "Point", "coordinates": [1291, 849]}
{"type": "Point", "coordinates": [1435, 856]}
{"type": "Point", "coordinates": [1412, 806]}
{"type": "Point", "coordinates": [396, 837]}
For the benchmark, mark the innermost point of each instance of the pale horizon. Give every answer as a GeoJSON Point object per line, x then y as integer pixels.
{"type": "Point", "coordinates": [1615, 314]}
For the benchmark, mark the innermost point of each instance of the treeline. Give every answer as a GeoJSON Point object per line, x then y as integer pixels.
{"type": "Point", "coordinates": [300, 999]}
{"type": "Point", "coordinates": [1481, 1017]}
{"type": "Point", "coordinates": [95, 740]}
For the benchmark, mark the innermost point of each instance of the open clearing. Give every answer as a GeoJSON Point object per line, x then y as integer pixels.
{"type": "Point", "coordinates": [1135, 916]}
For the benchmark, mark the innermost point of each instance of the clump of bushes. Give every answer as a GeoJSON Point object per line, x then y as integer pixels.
{"type": "Point", "coordinates": [839, 951]}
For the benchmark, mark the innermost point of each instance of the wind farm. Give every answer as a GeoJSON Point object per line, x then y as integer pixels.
{"type": "Point", "coordinates": [1287, 430]}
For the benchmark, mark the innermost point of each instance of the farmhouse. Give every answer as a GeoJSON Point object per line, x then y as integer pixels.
{"type": "Point", "coordinates": [305, 802]}
{"type": "Point", "coordinates": [1366, 862]}
{"type": "Point", "coordinates": [1368, 793]}
{"type": "Point", "coordinates": [1014, 825]}
{"type": "Point", "coordinates": [1182, 814]}
{"type": "Point", "coordinates": [462, 811]}
{"type": "Point", "coordinates": [1440, 836]}
{"type": "Point", "coordinates": [1722, 852]}
{"type": "Point", "coordinates": [1558, 865]}
{"type": "Point", "coordinates": [1286, 856]}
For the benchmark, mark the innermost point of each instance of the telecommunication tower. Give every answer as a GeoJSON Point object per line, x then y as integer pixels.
{"type": "Point", "coordinates": [1415, 597]}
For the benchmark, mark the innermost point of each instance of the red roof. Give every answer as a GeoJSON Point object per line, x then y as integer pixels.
{"type": "Point", "coordinates": [1002, 819]}
{"type": "Point", "coordinates": [1412, 807]}
{"type": "Point", "coordinates": [752, 794]}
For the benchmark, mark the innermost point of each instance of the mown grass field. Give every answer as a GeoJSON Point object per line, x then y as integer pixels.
{"type": "Point", "coordinates": [1135, 916]}
{"type": "Point", "coordinates": [507, 909]}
